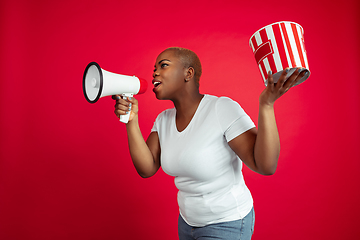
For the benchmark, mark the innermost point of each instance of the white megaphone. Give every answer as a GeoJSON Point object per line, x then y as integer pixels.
{"type": "Point", "coordinates": [99, 83]}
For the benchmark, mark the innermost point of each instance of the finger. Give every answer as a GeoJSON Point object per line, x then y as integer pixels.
{"type": "Point", "coordinates": [121, 110]}
{"type": "Point", "coordinates": [132, 102]}
{"type": "Point", "coordinates": [295, 77]}
{"type": "Point", "coordinates": [120, 100]}
{"type": "Point", "coordinates": [302, 74]}
{"type": "Point", "coordinates": [270, 80]}
{"type": "Point", "coordinates": [115, 97]}
{"type": "Point", "coordinates": [282, 79]}
{"type": "Point", "coordinates": [126, 99]}
{"type": "Point", "coordinates": [123, 101]}
{"type": "Point", "coordinates": [118, 113]}
{"type": "Point", "coordinates": [122, 105]}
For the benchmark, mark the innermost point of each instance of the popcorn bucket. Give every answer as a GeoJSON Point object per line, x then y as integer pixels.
{"type": "Point", "coordinates": [278, 46]}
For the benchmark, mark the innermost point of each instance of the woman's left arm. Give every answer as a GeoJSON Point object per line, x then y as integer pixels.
{"type": "Point", "coordinates": [259, 148]}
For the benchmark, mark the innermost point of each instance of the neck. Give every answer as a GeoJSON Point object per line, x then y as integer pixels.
{"type": "Point", "coordinates": [186, 106]}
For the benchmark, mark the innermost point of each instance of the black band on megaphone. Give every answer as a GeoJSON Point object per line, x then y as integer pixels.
{"type": "Point", "coordinates": [101, 82]}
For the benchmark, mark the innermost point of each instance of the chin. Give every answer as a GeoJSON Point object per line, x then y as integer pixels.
{"type": "Point", "coordinates": [158, 96]}
{"type": "Point", "coordinates": [161, 96]}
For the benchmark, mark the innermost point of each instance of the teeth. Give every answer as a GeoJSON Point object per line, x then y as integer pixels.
{"type": "Point", "coordinates": [156, 84]}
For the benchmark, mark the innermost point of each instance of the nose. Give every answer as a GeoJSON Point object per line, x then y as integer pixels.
{"type": "Point", "coordinates": [155, 74]}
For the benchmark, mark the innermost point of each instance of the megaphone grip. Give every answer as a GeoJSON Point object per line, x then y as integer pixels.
{"type": "Point", "coordinates": [125, 118]}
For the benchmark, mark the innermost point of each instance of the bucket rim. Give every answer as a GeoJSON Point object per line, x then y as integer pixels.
{"type": "Point", "coordinates": [274, 24]}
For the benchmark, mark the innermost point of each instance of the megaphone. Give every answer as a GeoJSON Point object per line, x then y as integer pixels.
{"type": "Point", "coordinates": [98, 83]}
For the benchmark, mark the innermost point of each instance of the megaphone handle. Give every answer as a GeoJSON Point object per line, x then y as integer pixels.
{"type": "Point", "coordinates": [125, 118]}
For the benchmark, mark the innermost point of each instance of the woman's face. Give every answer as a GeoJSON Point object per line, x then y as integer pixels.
{"type": "Point", "coordinates": [169, 76]}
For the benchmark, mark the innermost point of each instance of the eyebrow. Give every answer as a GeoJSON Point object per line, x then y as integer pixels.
{"type": "Point", "coordinates": [162, 61]}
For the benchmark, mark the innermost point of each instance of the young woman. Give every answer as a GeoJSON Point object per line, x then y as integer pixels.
{"type": "Point", "coordinates": [201, 142]}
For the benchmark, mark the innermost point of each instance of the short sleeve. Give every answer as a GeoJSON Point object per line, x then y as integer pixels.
{"type": "Point", "coordinates": [156, 124]}
{"type": "Point", "coordinates": [158, 121]}
{"type": "Point", "coordinates": [232, 118]}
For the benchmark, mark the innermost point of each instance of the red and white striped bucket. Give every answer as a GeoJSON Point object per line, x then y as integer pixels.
{"type": "Point", "coordinates": [278, 46]}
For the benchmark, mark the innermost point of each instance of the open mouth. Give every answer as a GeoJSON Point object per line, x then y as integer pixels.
{"type": "Point", "coordinates": [156, 84]}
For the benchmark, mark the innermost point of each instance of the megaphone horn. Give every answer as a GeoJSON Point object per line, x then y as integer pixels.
{"type": "Point", "coordinates": [98, 83]}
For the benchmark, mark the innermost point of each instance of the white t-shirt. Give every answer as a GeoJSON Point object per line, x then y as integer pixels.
{"type": "Point", "coordinates": [207, 172]}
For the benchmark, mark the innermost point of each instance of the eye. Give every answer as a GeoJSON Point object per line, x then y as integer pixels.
{"type": "Point", "coordinates": [164, 65]}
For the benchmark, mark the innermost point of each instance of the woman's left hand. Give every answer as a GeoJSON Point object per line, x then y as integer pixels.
{"type": "Point", "coordinates": [275, 90]}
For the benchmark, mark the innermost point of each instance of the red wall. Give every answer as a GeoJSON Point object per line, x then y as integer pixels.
{"type": "Point", "coordinates": [65, 171]}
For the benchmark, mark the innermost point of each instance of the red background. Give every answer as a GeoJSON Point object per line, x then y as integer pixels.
{"type": "Point", "coordinates": [65, 171]}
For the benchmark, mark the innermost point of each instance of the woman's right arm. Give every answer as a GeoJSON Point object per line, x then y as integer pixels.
{"type": "Point", "coordinates": [145, 155]}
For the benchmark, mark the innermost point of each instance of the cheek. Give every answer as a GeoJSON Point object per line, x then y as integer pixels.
{"type": "Point", "coordinates": [172, 76]}
{"type": "Point", "coordinates": [177, 75]}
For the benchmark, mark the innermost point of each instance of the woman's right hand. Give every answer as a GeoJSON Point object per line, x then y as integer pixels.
{"type": "Point", "coordinates": [145, 155]}
{"type": "Point", "coordinates": [122, 106]}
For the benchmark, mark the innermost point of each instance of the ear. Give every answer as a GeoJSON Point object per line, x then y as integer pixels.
{"type": "Point", "coordinates": [189, 73]}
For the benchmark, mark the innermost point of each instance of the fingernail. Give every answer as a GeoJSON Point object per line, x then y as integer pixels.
{"type": "Point", "coordinates": [117, 97]}
{"type": "Point", "coordinates": [270, 72]}
{"type": "Point", "coordinates": [129, 98]}
{"type": "Point", "coordinates": [287, 70]}
{"type": "Point", "coordinates": [129, 105]}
